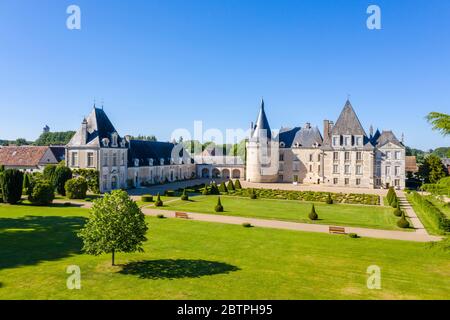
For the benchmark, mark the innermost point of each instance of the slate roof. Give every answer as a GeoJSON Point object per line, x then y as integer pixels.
{"type": "Point", "coordinates": [23, 156]}
{"type": "Point", "coordinates": [348, 122]}
{"type": "Point", "coordinates": [386, 137]}
{"type": "Point", "coordinates": [262, 127]}
{"type": "Point", "coordinates": [145, 150]}
{"type": "Point", "coordinates": [59, 152]}
{"type": "Point", "coordinates": [308, 137]}
{"type": "Point", "coordinates": [98, 126]}
{"type": "Point", "coordinates": [287, 135]}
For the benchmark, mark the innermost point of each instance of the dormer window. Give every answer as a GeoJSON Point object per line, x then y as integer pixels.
{"type": "Point", "coordinates": [282, 145]}
{"type": "Point", "coordinates": [105, 142]}
{"type": "Point", "coordinates": [136, 162]}
{"type": "Point", "coordinates": [122, 143]}
{"type": "Point", "coordinates": [161, 161]}
{"type": "Point", "coordinates": [114, 136]}
{"type": "Point", "coordinates": [347, 141]}
{"type": "Point", "coordinates": [336, 141]}
{"type": "Point", "coordinates": [358, 141]}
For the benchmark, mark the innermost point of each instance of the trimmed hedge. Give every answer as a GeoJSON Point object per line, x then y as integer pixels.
{"type": "Point", "coordinates": [147, 198]}
{"type": "Point", "coordinates": [439, 219]}
{"type": "Point", "coordinates": [11, 184]}
{"type": "Point", "coordinates": [41, 192]}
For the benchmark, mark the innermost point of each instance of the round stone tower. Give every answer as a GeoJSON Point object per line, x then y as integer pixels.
{"type": "Point", "coordinates": [262, 152]}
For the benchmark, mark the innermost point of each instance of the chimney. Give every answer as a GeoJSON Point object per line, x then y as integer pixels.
{"type": "Point", "coordinates": [308, 125]}
{"type": "Point", "coordinates": [326, 129]}
{"type": "Point", "coordinates": [84, 131]}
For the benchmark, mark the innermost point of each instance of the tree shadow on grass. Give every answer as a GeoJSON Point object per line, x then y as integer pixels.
{"type": "Point", "coordinates": [29, 240]}
{"type": "Point", "coordinates": [176, 269]}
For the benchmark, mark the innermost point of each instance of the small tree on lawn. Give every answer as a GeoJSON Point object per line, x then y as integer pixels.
{"type": "Point", "coordinates": [11, 184]}
{"type": "Point", "coordinates": [329, 199]}
{"type": "Point", "coordinates": [403, 223]}
{"type": "Point", "coordinates": [398, 212]}
{"type": "Point", "coordinates": [237, 184]}
{"type": "Point", "coordinates": [116, 224]}
{"type": "Point", "coordinates": [219, 207]}
{"type": "Point", "coordinates": [205, 190]}
{"type": "Point", "coordinates": [313, 215]}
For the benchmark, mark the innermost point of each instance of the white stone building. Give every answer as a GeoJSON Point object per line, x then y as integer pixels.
{"type": "Point", "coordinates": [344, 156]}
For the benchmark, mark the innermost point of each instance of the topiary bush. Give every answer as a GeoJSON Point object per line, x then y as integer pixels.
{"type": "Point", "coordinates": [223, 188]}
{"type": "Point", "coordinates": [158, 202]}
{"type": "Point", "coordinates": [219, 207]}
{"type": "Point", "coordinates": [403, 223]}
{"type": "Point", "coordinates": [11, 184]}
{"type": "Point", "coordinates": [398, 212]}
{"type": "Point", "coordinates": [41, 192]}
{"type": "Point", "coordinates": [184, 196]}
{"type": "Point", "coordinates": [237, 185]}
{"type": "Point", "coordinates": [252, 194]}
{"type": "Point", "coordinates": [76, 188]}
{"type": "Point", "coordinates": [230, 186]}
{"type": "Point", "coordinates": [205, 191]}
{"type": "Point", "coordinates": [147, 198]}
{"type": "Point", "coordinates": [60, 177]}
{"type": "Point", "coordinates": [353, 235]}
{"type": "Point", "coordinates": [313, 214]}
{"type": "Point", "coordinates": [213, 189]}
{"type": "Point", "coordinates": [329, 199]}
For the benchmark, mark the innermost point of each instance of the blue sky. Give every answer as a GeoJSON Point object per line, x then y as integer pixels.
{"type": "Point", "coordinates": [161, 65]}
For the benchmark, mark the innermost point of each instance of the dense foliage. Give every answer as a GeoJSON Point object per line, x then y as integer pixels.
{"type": "Point", "coordinates": [76, 188]}
{"type": "Point", "coordinates": [61, 176]}
{"type": "Point", "coordinates": [41, 192]}
{"type": "Point", "coordinates": [54, 138]}
{"type": "Point", "coordinates": [11, 184]}
{"type": "Point", "coordinates": [116, 224]}
{"type": "Point", "coordinates": [439, 220]}
{"type": "Point", "coordinates": [92, 177]}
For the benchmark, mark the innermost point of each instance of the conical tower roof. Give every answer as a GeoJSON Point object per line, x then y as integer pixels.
{"type": "Point", "coordinates": [262, 127]}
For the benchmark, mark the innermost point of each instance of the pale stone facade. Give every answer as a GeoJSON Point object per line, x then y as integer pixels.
{"type": "Point", "coordinates": [345, 156]}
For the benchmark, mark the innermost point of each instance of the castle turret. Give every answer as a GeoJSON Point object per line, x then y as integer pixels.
{"type": "Point", "coordinates": [262, 151]}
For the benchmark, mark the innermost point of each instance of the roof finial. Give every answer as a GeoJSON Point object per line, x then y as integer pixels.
{"type": "Point", "coordinates": [94, 102]}
{"type": "Point", "coordinates": [102, 103]}
{"type": "Point", "coordinates": [262, 102]}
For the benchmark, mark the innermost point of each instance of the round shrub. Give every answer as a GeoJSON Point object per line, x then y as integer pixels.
{"type": "Point", "coordinates": [403, 223]}
{"type": "Point", "coordinates": [219, 207]}
{"type": "Point", "coordinates": [313, 214]}
{"type": "Point", "coordinates": [158, 202]}
{"type": "Point", "coordinates": [41, 193]}
{"type": "Point", "coordinates": [147, 198]}
{"type": "Point", "coordinates": [76, 188]}
{"type": "Point", "coordinates": [184, 196]}
{"type": "Point", "coordinates": [398, 212]}
{"type": "Point", "coordinates": [160, 216]}
{"type": "Point", "coordinates": [353, 235]}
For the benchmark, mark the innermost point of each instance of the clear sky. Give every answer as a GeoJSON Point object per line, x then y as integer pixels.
{"type": "Point", "coordinates": [161, 65]}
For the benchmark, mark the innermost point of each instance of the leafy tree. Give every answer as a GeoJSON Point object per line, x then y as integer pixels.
{"type": "Point", "coordinates": [61, 176]}
{"type": "Point", "coordinates": [76, 188]}
{"type": "Point", "coordinates": [54, 138]}
{"type": "Point", "coordinates": [313, 214]}
{"type": "Point", "coordinates": [440, 122]}
{"type": "Point", "coordinates": [432, 170]}
{"type": "Point", "coordinates": [11, 183]}
{"type": "Point", "coordinates": [21, 142]}
{"type": "Point", "coordinates": [116, 224]}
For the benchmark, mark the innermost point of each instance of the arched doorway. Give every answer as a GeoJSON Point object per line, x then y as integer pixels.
{"type": "Point", "coordinates": [216, 173]}
{"type": "Point", "coordinates": [205, 173]}
{"type": "Point", "coordinates": [236, 174]}
{"type": "Point", "coordinates": [226, 174]}
{"type": "Point", "coordinates": [114, 184]}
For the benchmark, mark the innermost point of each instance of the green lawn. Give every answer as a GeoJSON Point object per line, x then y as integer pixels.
{"type": "Point", "coordinates": [200, 260]}
{"type": "Point", "coordinates": [290, 210]}
{"type": "Point", "coordinates": [441, 205]}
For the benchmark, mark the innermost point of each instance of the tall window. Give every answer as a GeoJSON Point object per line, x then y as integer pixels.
{"type": "Point", "coordinates": [347, 141]}
{"type": "Point", "coordinates": [398, 155]}
{"type": "Point", "coordinates": [347, 181]}
{"type": "Point", "coordinates": [318, 169]}
{"type": "Point", "coordinates": [122, 159]}
{"type": "Point", "coordinates": [347, 169]}
{"type": "Point", "coordinates": [335, 141]}
{"type": "Point", "coordinates": [388, 170]}
{"type": "Point", "coordinates": [90, 159]}
{"type": "Point", "coordinates": [358, 141]}
{"type": "Point", "coordinates": [74, 159]}
{"type": "Point", "coordinates": [296, 166]}
{"type": "Point", "coordinates": [105, 159]}
{"type": "Point", "coordinates": [114, 159]}
{"type": "Point", "coordinates": [310, 157]}
{"type": "Point", "coordinates": [358, 156]}
{"type": "Point", "coordinates": [397, 171]}
{"type": "Point", "coordinates": [310, 168]}
{"type": "Point", "coordinates": [388, 154]}
{"type": "Point", "coordinates": [335, 168]}
{"type": "Point", "coordinates": [335, 156]}
{"type": "Point", "coordinates": [347, 156]}
{"type": "Point", "coordinates": [358, 182]}
{"type": "Point", "coordinates": [358, 169]}
{"type": "Point", "coordinates": [335, 181]}
{"type": "Point", "coordinates": [281, 156]}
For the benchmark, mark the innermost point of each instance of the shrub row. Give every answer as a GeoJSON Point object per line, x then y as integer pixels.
{"type": "Point", "coordinates": [438, 218]}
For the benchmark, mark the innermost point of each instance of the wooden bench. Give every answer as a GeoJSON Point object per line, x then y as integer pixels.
{"type": "Point", "coordinates": [337, 230]}
{"type": "Point", "coordinates": [182, 215]}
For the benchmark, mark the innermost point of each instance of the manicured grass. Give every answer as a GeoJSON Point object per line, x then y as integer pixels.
{"type": "Point", "coordinates": [291, 210]}
{"type": "Point", "coordinates": [425, 216]}
{"type": "Point", "coordinates": [200, 260]}
{"type": "Point", "coordinates": [441, 205]}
